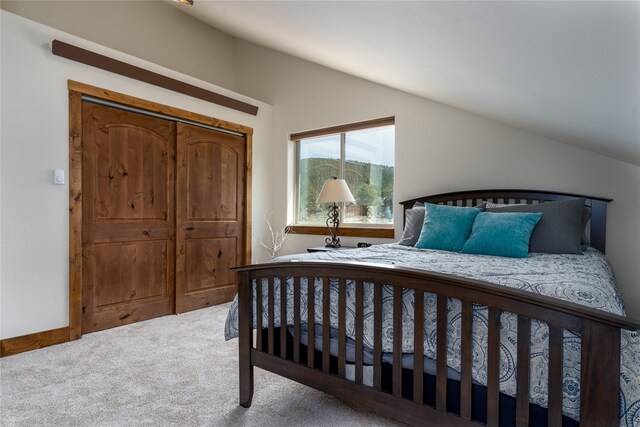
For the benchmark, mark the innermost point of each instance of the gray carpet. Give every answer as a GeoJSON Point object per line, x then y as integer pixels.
{"type": "Point", "coordinates": [171, 371]}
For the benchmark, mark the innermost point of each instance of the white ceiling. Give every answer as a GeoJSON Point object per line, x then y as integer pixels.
{"type": "Point", "coordinates": [566, 70]}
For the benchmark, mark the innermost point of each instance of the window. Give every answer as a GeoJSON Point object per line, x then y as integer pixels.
{"type": "Point", "coordinates": [363, 155]}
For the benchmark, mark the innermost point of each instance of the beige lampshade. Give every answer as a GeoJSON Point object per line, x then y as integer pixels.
{"type": "Point", "coordinates": [335, 191]}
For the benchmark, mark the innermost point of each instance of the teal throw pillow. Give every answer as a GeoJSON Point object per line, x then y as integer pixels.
{"type": "Point", "coordinates": [446, 227]}
{"type": "Point", "coordinates": [502, 234]}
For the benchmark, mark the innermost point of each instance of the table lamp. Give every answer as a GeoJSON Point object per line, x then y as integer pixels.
{"type": "Point", "coordinates": [334, 191]}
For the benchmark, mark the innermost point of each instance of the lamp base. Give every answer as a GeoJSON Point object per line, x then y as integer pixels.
{"type": "Point", "coordinates": [333, 223]}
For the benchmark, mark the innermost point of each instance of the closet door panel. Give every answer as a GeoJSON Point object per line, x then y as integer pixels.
{"type": "Point", "coordinates": [128, 217]}
{"type": "Point", "coordinates": [208, 263]}
{"type": "Point", "coordinates": [210, 221]}
{"type": "Point", "coordinates": [130, 271]}
{"type": "Point", "coordinates": [212, 178]}
{"type": "Point", "coordinates": [131, 180]}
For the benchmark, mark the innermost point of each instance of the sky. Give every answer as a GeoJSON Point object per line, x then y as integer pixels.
{"type": "Point", "coordinates": [374, 146]}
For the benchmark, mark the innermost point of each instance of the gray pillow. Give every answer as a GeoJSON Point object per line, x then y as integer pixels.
{"type": "Point", "coordinates": [559, 231]}
{"type": "Point", "coordinates": [413, 220]}
{"type": "Point", "coordinates": [586, 215]}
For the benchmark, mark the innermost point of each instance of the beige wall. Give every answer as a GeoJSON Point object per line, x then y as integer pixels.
{"type": "Point", "coordinates": [151, 30]}
{"type": "Point", "coordinates": [438, 149]}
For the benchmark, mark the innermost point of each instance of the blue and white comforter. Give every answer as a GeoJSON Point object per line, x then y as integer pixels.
{"type": "Point", "coordinates": [584, 279]}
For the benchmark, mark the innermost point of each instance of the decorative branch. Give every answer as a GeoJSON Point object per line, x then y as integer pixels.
{"type": "Point", "coordinates": [277, 237]}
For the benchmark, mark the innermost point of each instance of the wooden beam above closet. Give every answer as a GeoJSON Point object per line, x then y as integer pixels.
{"type": "Point", "coordinates": [106, 63]}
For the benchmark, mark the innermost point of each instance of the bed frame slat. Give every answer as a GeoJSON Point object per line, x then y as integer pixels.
{"type": "Point", "coordinates": [359, 328]}
{"type": "Point", "coordinates": [597, 234]}
{"type": "Point", "coordinates": [441, 355]}
{"type": "Point", "coordinates": [397, 341]}
{"type": "Point", "coordinates": [270, 310]}
{"type": "Point", "coordinates": [296, 319]}
{"type": "Point", "coordinates": [342, 325]}
{"type": "Point", "coordinates": [523, 371]}
{"type": "Point", "coordinates": [245, 339]}
{"type": "Point", "coordinates": [554, 389]}
{"type": "Point", "coordinates": [599, 371]}
{"type": "Point", "coordinates": [466, 359]}
{"type": "Point", "coordinates": [418, 346]}
{"type": "Point", "coordinates": [283, 317]}
{"type": "Point", "coordinates": [311, 321]}
{"type": "Point", "coordinates": [259, 314]}
{"type": "Point", "coordinates": [377, 337]}
{"type": "Point", "coordinates": [493, 368]}
{"type": "Point", "coordinates": [326, 298]}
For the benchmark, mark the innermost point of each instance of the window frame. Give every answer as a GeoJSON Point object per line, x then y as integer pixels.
{"type": "Point", "coordinates": [346, 229]}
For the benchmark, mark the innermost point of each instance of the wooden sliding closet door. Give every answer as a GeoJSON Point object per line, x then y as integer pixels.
{"type": "Point", "coordinates": [128, 224]}
{"type": "Point", "coordinates": [210, 221]}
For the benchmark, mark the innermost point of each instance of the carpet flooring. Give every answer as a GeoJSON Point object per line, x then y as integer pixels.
{"type": "Point", "coordinates": [170, 371]}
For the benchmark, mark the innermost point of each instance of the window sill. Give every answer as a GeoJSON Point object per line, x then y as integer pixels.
{"type": "Point", "coordinates": [388, 233]}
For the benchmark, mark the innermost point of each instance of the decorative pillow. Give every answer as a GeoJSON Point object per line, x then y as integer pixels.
{"type": "Point", "coordinates": [413, 220]}
{"type": "Point", "coordinates": [502, 234]}
{"type": "Point", "coordinates": [446, 227]}
{"type": "Point", "coordinates": [560, 229]}
{"type": "Point", "coordinates": [586, 215]}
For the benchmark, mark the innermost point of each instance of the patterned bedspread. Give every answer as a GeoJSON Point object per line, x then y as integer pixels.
{"type": "Point", "coordinates": [584, 279]}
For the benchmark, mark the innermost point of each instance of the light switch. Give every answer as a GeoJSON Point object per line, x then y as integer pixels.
{"type": "Point", "coordinates": [58, 176]}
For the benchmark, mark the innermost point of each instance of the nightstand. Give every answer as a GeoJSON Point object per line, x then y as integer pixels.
{"type": "Point", "coordinates": [325, 249]}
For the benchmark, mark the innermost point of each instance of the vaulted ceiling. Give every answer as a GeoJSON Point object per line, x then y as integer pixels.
{"type": "Point", "coordinates": [566, 70]}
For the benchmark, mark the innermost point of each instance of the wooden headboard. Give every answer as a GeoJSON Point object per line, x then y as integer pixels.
{"type": "Point", "coordinates": [598, 205]}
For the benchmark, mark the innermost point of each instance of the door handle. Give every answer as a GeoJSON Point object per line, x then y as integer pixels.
{"type": "Point", "coordinates": [189, 228]}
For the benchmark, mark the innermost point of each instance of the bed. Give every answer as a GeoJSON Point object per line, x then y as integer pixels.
{"type": "Point", "coordinates": [499, 341]}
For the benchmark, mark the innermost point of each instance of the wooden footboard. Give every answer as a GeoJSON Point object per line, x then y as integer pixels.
{"type": "Point", "coordinates": [599, 331]}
